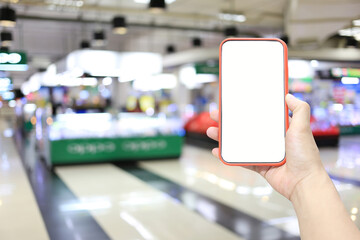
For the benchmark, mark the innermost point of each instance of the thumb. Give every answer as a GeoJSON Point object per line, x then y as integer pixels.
{"type": "Point", "coordinates": [301, 112]}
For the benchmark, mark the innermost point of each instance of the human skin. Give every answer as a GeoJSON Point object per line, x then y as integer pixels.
{"type": "Point", "coordinates": [304, 181]}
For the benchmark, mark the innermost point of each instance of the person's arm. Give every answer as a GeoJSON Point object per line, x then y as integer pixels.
{"type": "Point", "coordinates": [320, 211]}
{"type": "Point", "coordinates": [304, 181]}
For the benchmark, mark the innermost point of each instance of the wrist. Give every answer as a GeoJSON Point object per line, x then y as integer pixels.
{"type": "Point", "coordinates": [315, 181]}
{"type": "Point", "coordinates": [319, 209]}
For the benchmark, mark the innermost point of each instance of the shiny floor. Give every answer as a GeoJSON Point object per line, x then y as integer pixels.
{"type": "Point", "coordinates": [194, 197]}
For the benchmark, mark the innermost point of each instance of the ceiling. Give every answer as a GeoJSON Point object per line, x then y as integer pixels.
{"type": "Point", "coordinates": [49, 29]}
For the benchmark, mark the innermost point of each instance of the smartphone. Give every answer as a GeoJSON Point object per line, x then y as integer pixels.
{"type": "Point", "coordinates": [253, 115]}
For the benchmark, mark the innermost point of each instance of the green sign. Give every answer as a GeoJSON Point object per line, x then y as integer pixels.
{"type": "Point", "coordinates": [350, 130]}
{"type": "Point", "coordinates": [205, 68]}
{"type": "Point", "coordinates": [345, 72]}
{"type": "Point", "coordinates": [13, 58]}
{"type": "Point", "coordinates": [13, 61]}
{"type": "Point", "coordinates": [114, 149]}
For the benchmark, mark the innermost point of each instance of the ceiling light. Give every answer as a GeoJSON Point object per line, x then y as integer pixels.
{"type": "Point", "coordinates": [99, 39]}
{"type": "Point", "coordinates": [65, 3]}
{"type": "Point", "coordinates": [232, 17]}
{"type": "Point", "coordinates": [356, 22]}
{"type": "Point", "coordinates": [84, 44]}
{"type": "Point", "coordinates": [7, 17]}
{"type": "Point", "coordinates": [231, 31]}
{"type": "Point", "coordinates": [349, 31]}
{"type": "Point", "coordinates": [119, 25]}
{"type": "Point", "coordinates": [170, 49]}
{"type": "Point", "coordinates": [79, 3]}
{"type": "Point", "coordinates": [345, 32]}
{"type": "Point", "coordinates": [148, 1]}
{"type": "Point", "coordinates": [285, 38]}
{"type": "Point", "coordinates": [6, 38]}
{"type": "Point", "coordinates": [196, 42]}
{"type": "Point", "coordinates": [157, 6]}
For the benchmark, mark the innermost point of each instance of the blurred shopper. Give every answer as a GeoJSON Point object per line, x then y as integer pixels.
{"type": "Point", "coordinates": [304, 181]}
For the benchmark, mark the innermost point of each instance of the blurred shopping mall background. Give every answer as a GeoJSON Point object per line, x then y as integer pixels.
{"type": "Point", "coordinates": [105, 103]}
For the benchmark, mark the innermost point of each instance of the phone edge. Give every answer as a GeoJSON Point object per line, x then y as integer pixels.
{"type": "Point", "coordinates": [282, 162]}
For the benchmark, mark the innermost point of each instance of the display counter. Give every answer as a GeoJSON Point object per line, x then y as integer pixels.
{"type": "Point", "coordinates": [325, 134]}
{"type": "Point", "coordinates": [101, 137]}
{"type": "Point", "coordinates": [350, 130]}
{"type": "Point", "coordinates": [196, 130]}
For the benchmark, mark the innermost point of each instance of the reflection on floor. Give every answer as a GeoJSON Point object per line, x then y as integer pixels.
{"type": "Point", "coordinates": [19, 214]}
{"type": "Point", "coordinates": [237, 221]}
{"type": "Point", "coordinates": [237, 187]}
{"type": "Point", "coordinates": [194, 197]}
{"type": "Point", "coordinates": [345, 161]}
{"type": "Point", "coordinates": [128, 208]}
{"type": "Point", "coordinates": [56, 202]}
{"type": "Point", "coordinates": [343, 166]}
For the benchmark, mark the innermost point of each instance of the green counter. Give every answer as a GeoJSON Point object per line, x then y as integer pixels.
{"type": "Point", "coordinates": [349, 130]}
{"type": "Point", "coordinates": [89, 150]}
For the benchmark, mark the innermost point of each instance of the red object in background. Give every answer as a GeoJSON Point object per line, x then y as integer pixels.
{"type": "Point", "coordinates": [321, 130]}
{"type": "Point", "coordinates": [200, 123]}
{"type": "Point", "coordinates": [324, 133]}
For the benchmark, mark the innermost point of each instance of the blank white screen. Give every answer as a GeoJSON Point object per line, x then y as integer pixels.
{"type": "Point", "coordinates": [252, 102]}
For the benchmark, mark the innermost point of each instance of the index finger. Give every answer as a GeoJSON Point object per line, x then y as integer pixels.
{"type": "Point", "coordinates": [215, 115]}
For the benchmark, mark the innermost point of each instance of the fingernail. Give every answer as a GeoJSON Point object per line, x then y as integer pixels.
{"type": "Point", "coordinates": [290, 95]}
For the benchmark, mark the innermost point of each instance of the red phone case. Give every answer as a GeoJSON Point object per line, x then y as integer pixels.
{"type": "Point", "coordinates": [286, 91]}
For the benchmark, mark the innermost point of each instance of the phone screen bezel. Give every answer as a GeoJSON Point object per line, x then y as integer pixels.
{"type": "Point", "coordinates": [285, 82]}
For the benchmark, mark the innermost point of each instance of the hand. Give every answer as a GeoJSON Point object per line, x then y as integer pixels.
{"type": "Point", "coordinates": [302, 155]}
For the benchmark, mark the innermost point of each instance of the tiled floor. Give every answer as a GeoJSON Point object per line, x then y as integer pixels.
{"type": "Point", "coordinates": [194, 197]}
{"type": "Point", "coordinates": [128, 208]}
{"type": "Point", "coordinates": [237, 221]}
{"type": "Point", "coordinates": [237, 187]}
{"type": "Point", "coordinates": [20, 217]}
